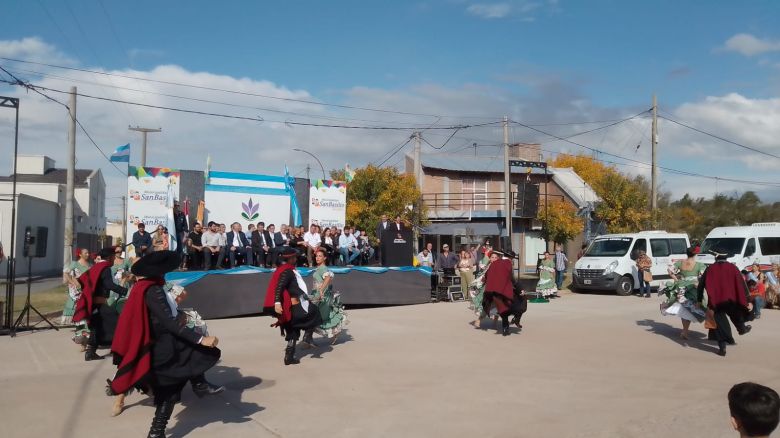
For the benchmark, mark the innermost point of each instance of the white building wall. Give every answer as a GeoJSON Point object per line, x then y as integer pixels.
{"type": "Point", "coordinates": [32, 212]}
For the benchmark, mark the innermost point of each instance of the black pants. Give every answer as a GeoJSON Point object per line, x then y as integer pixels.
{"type": "Point", "coordinates": [102, 324]}
{"type": "Point", "coordinates": [724, 312]}
{"type": "Point", "coordinates": [434, 281]}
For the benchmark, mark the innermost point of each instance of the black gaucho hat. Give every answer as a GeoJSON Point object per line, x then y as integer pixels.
{"type": "Point", "coordinates": [506, 253]}
{"type": "Point", "coordinates": [156, 264]}
{"type": "Point", "coordinates": [107, 252]}
{"type": "Point", "coordinates": [288, 252]}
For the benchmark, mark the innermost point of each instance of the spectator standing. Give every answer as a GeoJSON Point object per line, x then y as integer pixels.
{"type": "Point", "coordinates": [560, 266]}
{"type": "Point", "coordinates": [425, 258]}
{"type": "Point", "coordinates": [643, 265]}
{"type": "Point", "coordinates": [757, 296]}
{"type": "Point", "coordinates": [466, 271]}
{"type": "Point", "coordinates": [142, 241]}
{"type": "Point", "coordinates": [447, 261]}
{"type": "Point", "coordinates": [180, 223]}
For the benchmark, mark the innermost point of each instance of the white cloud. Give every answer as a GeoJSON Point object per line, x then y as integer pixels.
{"type": "Point", "coordinates": [265, 147]}
{"type": "Point", "coordinates": [32, 49]}
{"type": "Point", "coordinates": [489, 10]}
{"type": "Point", "coordinates": [749, 45]}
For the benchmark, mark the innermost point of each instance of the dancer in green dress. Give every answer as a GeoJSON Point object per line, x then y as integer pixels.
{"type": "Point", "coordinates": [682, 295]}
{"type": "Point", "coordinates": [546, 285]}
{"type": "Point", "coordinates": [69, 276]}
{"type": "Point", "coordinates": [331, 310]}
{"type": "Point", "coordinates": [478, 293]}
{"type": "Point", "coordinates": [122, 276]}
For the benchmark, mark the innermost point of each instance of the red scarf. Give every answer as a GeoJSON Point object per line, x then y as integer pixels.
{"type": "Point", "coordinates": [724, 283]}
{"type": "Point", "coordinates": [88, 281]}
{"type": "Point", "coordinates": [133, 339]}
{"type": "Point", "coordinates": [270, 295]}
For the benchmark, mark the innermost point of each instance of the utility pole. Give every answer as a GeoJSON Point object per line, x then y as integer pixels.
{"type": "Point", "coordinates": [418, 176]}
{"type": "Point", "coordinates": [144, 131]}
{"type": "Point", "coordinates": [654, 175]}
{"type": "Point", "coordinates": [71, 180]}
{"type": "Point", "coordinates": [507, 186]}
{"type": "Point", "coordinates": [124, 220]}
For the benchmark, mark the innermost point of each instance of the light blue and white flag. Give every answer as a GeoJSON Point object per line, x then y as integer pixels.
{"type": "Point", "coordinates": [121, 154]}
{"type": "Point", "coordinates": [296, 211]}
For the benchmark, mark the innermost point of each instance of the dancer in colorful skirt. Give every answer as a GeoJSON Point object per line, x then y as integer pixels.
{"type": "Point", "coordinates": [477, 295]}
{"type": "Point", "coordinates": [286, 297]}
{"type": "Point", "coordinates": [546, 285]}
{"type": "Point", "coordinates": [153, 349]}
{"type": "Point", "coordinates": [681, 294]}
{"type": "Point", "coordinates": [70, 276]}
{"type": "Point", "coordinates": [329, 304]}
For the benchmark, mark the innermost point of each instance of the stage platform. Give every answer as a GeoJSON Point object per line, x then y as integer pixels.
{"type": "Point", "coordinates": [241, 291]}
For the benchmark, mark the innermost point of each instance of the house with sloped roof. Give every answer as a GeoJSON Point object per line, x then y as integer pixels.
{"type": "Point", "coordinates": [465, 198]}
{"type": "Point", "coordinates": [40, 188]}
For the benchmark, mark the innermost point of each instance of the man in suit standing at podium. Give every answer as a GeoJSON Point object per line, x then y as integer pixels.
{"type": "Point", "coordinates": [381, 227]}
{"type": "Point", "coordinates": [398, 226]}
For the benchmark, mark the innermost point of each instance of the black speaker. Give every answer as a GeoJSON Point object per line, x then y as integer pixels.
{"type": "Point", "coordinates": [506, 243]}
{"type": "Point", "coordinates": [35, 240]}
{"type": "Point", "coordinates": [527, 202]}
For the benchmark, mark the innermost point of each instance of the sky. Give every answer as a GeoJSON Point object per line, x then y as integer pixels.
{"type": "Point", "coordinates": [561, 66]}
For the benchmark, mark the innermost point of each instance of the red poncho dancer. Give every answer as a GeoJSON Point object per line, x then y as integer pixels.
{"type": "Point", "coordinates": [286, 298]}
{"type": "Point", "coordinates": [500, 291]}
{"type": "Point", "coordinates": [727, 297]}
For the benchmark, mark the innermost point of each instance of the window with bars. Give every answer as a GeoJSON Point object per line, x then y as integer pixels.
{"type": "Point", "coordinates": [474, 194]}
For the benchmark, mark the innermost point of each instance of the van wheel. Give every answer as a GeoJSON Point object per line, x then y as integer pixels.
{"type": "Point", "coordinates": [625, 286]}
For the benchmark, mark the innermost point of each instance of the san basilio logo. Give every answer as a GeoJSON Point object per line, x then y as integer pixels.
{"type": "Point", "coordinates": [251, 211]}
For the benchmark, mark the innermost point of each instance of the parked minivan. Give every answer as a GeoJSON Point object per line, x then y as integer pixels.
{"type": "Point", "coordinates": [748, 244]}
{"type": "Point", "coordinates": [609, 262]}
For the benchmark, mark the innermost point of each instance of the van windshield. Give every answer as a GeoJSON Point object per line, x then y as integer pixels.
{"type": "Point", "coordinates": [730, 245]}
{"type": "Point", "coordinates": [613, 247]}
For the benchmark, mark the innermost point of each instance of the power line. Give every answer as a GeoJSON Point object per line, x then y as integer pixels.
{"type": "Point", "coordinates": [18, 82]}
{"type": "Point", "coordinates": [720, 138]}
{"type": "Point", "coordinates": [395, 152]}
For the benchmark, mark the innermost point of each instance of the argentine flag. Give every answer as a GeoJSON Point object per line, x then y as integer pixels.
{"type": "Point", "coordinates": [121, 154]}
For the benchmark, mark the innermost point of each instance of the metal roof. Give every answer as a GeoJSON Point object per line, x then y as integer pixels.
{"type": "Point", "coordinates": [574, 186]}
{"type": "Point", "coordinates": [52, 176]}
{"type": "Point", "coordinates": [468, 163]}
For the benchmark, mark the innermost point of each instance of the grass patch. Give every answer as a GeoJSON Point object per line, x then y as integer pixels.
{"type": "Point", "coordinates": [46, 301]}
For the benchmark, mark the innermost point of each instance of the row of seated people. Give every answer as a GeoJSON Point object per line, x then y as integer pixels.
{"type": "Point", "coordinates": [217, 249]}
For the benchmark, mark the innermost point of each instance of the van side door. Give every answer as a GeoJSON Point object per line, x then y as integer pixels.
{"type": "Point", "coordinates": [661, 253]}
{"type": "Point", "coordinates": [639, 245]}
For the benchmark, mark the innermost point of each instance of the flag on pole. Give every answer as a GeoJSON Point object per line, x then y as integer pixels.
{"type": "Point", "coordinates": [296, 211]}
{"type": "Point", "coordinates": [171, 222]}
{"type": "Point", "coordinates": [121, 154]}
{"type": "Point", "coordinates": [208, 168]}
{"type": "Point", "coordinates": [349, 174]}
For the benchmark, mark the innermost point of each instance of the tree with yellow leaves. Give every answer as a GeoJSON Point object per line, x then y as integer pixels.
{"type": "Point", "coordinates": [562, 223]}
{"type": "Point", "coordinates": [375, 191]}
{"type": "Point", "coordinates": [624, 202]}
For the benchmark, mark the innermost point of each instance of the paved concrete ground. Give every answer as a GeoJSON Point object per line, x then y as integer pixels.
{"type": "Point", "coordinates": [584, 366]}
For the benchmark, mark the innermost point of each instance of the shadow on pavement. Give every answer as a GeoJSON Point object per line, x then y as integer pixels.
{"type": "Point", "coordinates": [322, 346]}
{"type": "Point", "coordinates": [695, 339]}
{"type": "Point", "coordinates": [225, 407]}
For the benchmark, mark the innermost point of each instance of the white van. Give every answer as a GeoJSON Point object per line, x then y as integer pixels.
{"type": "Point", "coordinates": [609, 262]}
{"type": "Point", "coordinates": [749, 244]}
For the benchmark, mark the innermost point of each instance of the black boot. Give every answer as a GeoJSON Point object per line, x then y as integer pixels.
{"type": "Point", "coordinates": [289, 354]}
{"type": "Point", "coordinates": [91, 353]}
{"type": "Point", "coordinates": [308, 338]}
{"type": "Point", "coordinates": [721, 348]}
{"type": "Point", "coordinates": [161, 417]}
{"type": "Point", "coordinates": [505, 325]}
{"type": "Point", "coordinates": [204, 388]}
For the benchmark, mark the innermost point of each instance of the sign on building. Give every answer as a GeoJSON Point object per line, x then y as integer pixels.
{"type": "Point", "coordinates": [328, 203]}
{"type": "Point", "coordinates": [148, 193]}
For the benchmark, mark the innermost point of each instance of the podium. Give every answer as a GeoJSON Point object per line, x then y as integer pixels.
{"type": "Point", "coordinates": [397, 247]}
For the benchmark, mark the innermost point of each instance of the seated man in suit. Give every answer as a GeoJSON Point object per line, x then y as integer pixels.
{"type": "Point", "coordinates": [259, 244]}
{"type": "Point", "coordinates": [238, 245]}
{"type": "Point", "coordinates": [281, 239]}
{"type": "Point", "coordinates": [270, 249]}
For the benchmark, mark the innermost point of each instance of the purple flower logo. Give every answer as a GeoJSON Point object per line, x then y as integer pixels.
{"type": "Point", "coordinates": [251, 211]}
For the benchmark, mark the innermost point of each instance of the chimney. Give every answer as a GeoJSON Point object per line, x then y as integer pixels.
{"type": "Point", "coordinates": [525, 151]}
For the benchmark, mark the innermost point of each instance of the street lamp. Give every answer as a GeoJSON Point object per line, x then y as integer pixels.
{"type": "Point", "coordinates": [315, 157]}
